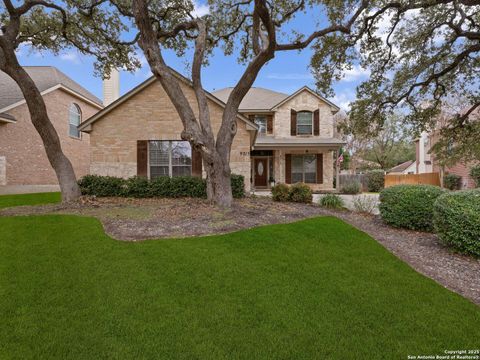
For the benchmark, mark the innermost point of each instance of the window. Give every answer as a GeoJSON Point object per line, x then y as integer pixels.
{"type": "Point", "coordinates": [304, 169]}
{"type": "Point", "coordinates": [261, 121]}
{"type": "Point", "coordinates": [74, 119]}
{"type": "Point", "coordinates": [170, 158]}
{"type": "Point", "coordinates": [304, 123]}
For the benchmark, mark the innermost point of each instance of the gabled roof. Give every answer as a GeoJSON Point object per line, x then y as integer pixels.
{"type": "Point", "coordinates": [46, 78]}
{"type": "Point", "coordinates": [256, 99]}
{"type": "Point", "coordinates": [85, 125]}
{"type": "Point", "coordinates": [335, 108]}
{"type": "Point", "coordinates": [401, 167]}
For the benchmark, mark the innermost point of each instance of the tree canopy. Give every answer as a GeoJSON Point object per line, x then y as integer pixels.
{"type": "Point", "coordinates": [420, 54]}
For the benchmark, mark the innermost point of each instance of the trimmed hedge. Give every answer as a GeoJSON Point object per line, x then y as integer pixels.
{"type": "Point", "coordinates": [375, 180]}
{"type": "Point", "coordinates": [452, 181]}
{"type": "Point", "coordinates": [409, 206]}
{"type": "Point", "coordinates": [456, 219]}
{"type": "Point", "coordinates": [280, 192]}
{"type": "Point", "coordinates": [300, 193]}
{"type": "Point", "coordinates": [141, 187]}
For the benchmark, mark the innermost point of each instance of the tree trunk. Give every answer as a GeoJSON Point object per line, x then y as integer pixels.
{"type": "Point", "coordinates": [40, 120]}
{"type": "Point", "coordinates": [219, 187]}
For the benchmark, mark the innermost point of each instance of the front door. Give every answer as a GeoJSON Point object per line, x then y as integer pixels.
{"type": "Point", "coordinates": [260, 172]}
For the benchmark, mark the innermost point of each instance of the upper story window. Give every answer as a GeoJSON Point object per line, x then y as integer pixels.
{"type": "Point", "coordinates": [170, 158]}
{"type": "Point", "coordinates": [261, 121]}
{"type": "Point", "coordinates": [304, 123]}
{"type": "Point", "coordinates": [74, 119]}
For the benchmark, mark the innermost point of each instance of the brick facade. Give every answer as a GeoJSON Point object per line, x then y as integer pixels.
{"type": "Point", "coordinates": [25, 160]}
{"type": "Point", "coordinates": [150, 115]}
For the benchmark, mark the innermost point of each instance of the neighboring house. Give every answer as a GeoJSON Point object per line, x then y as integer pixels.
{"type": "Point", "coordinates": [23, 160]}
{"type": "Point", "coordinates": [408, 167]}
{"type": "Point", "coordinates": [286, 138]}
{"type": "Point", "coordinates": [426, 162]}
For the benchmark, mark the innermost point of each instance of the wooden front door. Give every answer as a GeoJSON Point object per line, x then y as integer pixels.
{"type": "Point", "coordinates": [260, 172]}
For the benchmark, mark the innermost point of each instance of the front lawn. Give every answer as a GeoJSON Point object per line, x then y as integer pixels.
{"type": "Point", "coordinates": [318, 288]}
{"type": "Point", "coordinates": [29, 199]}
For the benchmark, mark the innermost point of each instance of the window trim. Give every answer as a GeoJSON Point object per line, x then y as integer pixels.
{"type": "Point", "coordinates": [293, 156]}
{"type": "Point", "coordinates": [264, 117]}
{"type": "Point", "coordinates": [170, 158]}
{"type": "Point", "coordinates": [70, 113]}
{"type": "Point", "coordinates": [311, 123]}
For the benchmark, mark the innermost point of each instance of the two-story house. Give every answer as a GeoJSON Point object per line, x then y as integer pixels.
{"type": "Point", "coordinates": [286, 138]}
{"type": "Point", "coordinates": [23, 161]}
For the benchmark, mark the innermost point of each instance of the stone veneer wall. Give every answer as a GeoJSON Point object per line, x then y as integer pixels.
{"type": "Point", "coordinates": [149, 115]}
{"type": "Point", "coordinates": [304, 101]}
{"type": "Point", "coordinates": [23, 150]}
{"type": "Point", "coordinates": [328, 170]}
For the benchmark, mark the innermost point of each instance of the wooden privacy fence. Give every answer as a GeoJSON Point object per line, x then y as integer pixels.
{"type": "Point", "coordinates": [413, 179]}
{"type": "Point", "coordinates": [344, 179]}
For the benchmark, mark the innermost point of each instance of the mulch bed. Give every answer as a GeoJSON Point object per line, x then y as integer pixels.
{"type": "Point", "coordinates": [140, 219]}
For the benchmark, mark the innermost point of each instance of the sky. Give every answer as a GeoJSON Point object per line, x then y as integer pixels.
{"type": "Point", "coordinates": [287, 72]}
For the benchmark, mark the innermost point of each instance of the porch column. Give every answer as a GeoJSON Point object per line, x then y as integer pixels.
{"type": "Point", "coordinates": [337, 169]}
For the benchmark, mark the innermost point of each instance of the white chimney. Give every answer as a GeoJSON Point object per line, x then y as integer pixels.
{"type": "Point", "coordinates": [111, 88]}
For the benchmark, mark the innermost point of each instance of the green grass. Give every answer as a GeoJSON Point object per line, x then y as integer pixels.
{"type": "Point", "coordinates": [316, 289]}
{"type": "Point", "coordinates": [29, 199]}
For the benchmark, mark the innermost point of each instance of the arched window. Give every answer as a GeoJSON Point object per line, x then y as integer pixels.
{"type": "Point", "coordinates": [74, 119]}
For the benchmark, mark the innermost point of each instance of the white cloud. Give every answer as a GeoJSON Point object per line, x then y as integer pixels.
{"type": "Point", "coordinates": [71, 56]}
{"type": "Point", "coordinates": [289, 76]}
{"type": "Point", "coordinates": [344, 99]}
{"type": "Point", "coordinates": [200, 9]}
{"type": "Point", "coordinates": [355, 73]}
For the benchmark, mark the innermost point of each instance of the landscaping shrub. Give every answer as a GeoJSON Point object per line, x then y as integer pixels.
{"type": "Point", "coordinates": [331, 201]}
{"type": "Point", "coordinates": [280, 192]}
{"type": "Point", "coordinates": [475, 174]}
{"type": "Point", "coordinates": [456, 219]}
{"type": "Point", "coordinates": [352, 188]}
{"type": "Point", "coordinates": [375, 180]}
{"type": "Point", "coordinates": [452, 181]}
{"type": "Point", "coordinates": [102, 185]}
{"type": "Point", "coordinates": [137, 186]}
{"type": "Point", "coordinates": [141, 187]}
{"type": "Point", "coordinates": [301, 193]}
{"type": "Point", "coordinates": [238, 186]}
{"type": "Point", "coordinates": [409, 206]}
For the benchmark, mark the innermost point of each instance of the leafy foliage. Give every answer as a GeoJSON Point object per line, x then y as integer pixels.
{"type": "Point", "coordinates": [456, 219]}
{"type": "Point", "coordinates": [331, 201]}
{"type": "Point", "coordinates": [452, 181]}
{"type": "Point", "coordinates": [409, 206]}
{"type": "Point", "coordinates": [301, 193]}
{"type": "Point", "coordinates": [375, 180]}
{"type": "Point", "coordinates": [140, 187]}
{"type": "Point", "coordinates": [351, 188]}
{"type": "Point", "coordinates": [280, 192]}
{"type": "Point", "coordinates": [475, 174]}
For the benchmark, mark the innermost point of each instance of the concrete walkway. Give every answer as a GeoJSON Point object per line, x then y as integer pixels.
{"type": "Point", "coordinates": [27, 189]}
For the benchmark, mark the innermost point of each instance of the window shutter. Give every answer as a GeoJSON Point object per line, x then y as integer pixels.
{"type": "Point", "coordinates": [269, 124]}
{"type": "Point", "coordinates": [316, 122]}
{"type": "Point", "coordinates": [319, 168]}
{"type": "Point", "coordinates": [142, 158]}
{"type": "Point", "coordinates": [288, 168]}
{"type": "Point", "coordinates": [196, 163]}
{"type": "Point", "coordinates": [293, 122]}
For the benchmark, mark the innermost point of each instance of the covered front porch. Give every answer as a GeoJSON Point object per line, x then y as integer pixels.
{"type": "Point", "coordinates": [312, 164]}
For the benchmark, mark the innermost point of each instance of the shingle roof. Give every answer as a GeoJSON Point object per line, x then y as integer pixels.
{"type": "Point", "coordinates": [7, 116]}
{"type": "Point", "coordinates": [401, 167]}
{"type": "Point", "coordinates": [256, 98]}
{"type": "Point", "coordinates": [45, 77]}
